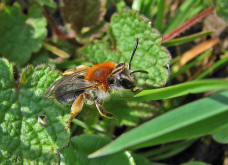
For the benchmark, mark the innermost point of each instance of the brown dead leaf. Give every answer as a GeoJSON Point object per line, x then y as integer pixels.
{"type": "Point", "coordinates": [194, 52]}
{"type": "Point", "coordinates": [82, 13]}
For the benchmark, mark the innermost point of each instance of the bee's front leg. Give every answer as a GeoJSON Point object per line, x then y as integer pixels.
{"type": "Point", "coordinates": [101, 110]}
{"type": "Point", "coordinates": [75, 109]}
{"type": "Point", "coordinates": [137, 90]}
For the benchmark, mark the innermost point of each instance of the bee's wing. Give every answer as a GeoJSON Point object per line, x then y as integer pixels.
{"type": "Point", "coordinates": [67, 88]}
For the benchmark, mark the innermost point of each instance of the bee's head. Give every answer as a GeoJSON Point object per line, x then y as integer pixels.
{"type": "Point", "coordinates": [123, 76]}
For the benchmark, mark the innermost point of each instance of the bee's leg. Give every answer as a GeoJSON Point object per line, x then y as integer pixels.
{"type": "Point", "coordinates": [137, 90]}
{"type": "Point", "coordinates": [102, 112]}
{"type": "Point", "coordinates": [71, 71]}
{"type": "Point", "coordinates": [75, 109]}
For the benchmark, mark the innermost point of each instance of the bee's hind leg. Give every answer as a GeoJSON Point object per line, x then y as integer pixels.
{"type": "Point", "coordinates": [75, 109]}
{"type": "Point", "coordinates": [102, 112]}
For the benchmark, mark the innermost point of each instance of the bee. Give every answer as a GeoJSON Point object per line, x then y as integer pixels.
{"type": "Point", "coordinates": [92, 85]}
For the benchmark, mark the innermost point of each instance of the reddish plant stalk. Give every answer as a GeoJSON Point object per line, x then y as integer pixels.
{"type": "Point", "coordinates": [188, 24]}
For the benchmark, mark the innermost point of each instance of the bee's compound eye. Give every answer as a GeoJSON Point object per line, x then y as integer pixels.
{"type": "Point", "coordinates": [126, 83]}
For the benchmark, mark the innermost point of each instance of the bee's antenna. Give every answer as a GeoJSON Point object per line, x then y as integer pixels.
{"type": "Point", "coordinates": [133, 53]}
{"type": "Point", "coordinates": [142, 71]}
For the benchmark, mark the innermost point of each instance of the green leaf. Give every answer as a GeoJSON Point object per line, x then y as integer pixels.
{"type": "Point", "coordinates": [196, 119]}
{"type": "Point", "coordinates": [221, 136]}
{"type": "Point", "coordinates": [81, 146]}
{"type": "Point", "coordinates": [124, 28]}
{"type": "Point", "coordinates": [129, 113]}
{"type": "Point", "coordinates": [99, 51]}
{"type": "Point", "coordinates": [182, 89]}
{"type": "Point", "coordinates": [222, 8]}
{"type": "Point", "coordinates": [21, 35]}
{"type": "Point", "coordinates": [82, 13]}
{"type": "Point", "coordinates": [31, 126]}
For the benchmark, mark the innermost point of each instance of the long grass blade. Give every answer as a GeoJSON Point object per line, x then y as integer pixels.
{"type": "Point", "coordinates": [182, 89]}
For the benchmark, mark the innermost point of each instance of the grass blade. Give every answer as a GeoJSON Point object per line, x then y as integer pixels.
{"type": "Point", "coordinates": [160, 15]}
{"type": "Point", "coordinates": [172, 152]}
{"type": "Point", "coordinates": [186, 39]}
{"type": "Point", "coordinates": [137, 5]}
{"type": "Point", "coordinates": [178, 30]}
{"type": "Point", "coordinates": [147, 8]}
{"type": "Point", "coordinates": [168, 150]}
{"type": "Point", "coordinates": [182, 89]}
{"type": "Point", "coordinates": [180, 16]}
{"type": "Point", "coordinates": [202, 117]}
{"type": "Point", "coordinates": [221, 136]}
{"type": "Point", "coordinates": [143, 6]}
{"type": "Point", "coordinates": [214, 67]}
{"type": "Point", "coordinates": [190, 65]}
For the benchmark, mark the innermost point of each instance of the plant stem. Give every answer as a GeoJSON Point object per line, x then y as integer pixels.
{"type": "Point", "coordinates": [188, 24]}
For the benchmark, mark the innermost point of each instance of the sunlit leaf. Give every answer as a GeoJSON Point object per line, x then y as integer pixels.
{"type": "Point", "coordinates": [32, 127]}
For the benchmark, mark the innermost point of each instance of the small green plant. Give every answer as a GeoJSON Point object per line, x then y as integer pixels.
{"type": "Point", "coordinates": [42, 38]}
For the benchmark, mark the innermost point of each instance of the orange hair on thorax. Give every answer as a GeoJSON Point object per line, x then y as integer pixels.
{"type": "Point", "coordinates": [100, 72]}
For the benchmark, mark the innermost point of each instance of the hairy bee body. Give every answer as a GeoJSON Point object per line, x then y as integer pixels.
{"type": "Point", "coordinates": [92, 85]}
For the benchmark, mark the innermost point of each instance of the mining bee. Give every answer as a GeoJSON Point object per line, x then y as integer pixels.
{"type": "Point", "coordinates": [92, 85]}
